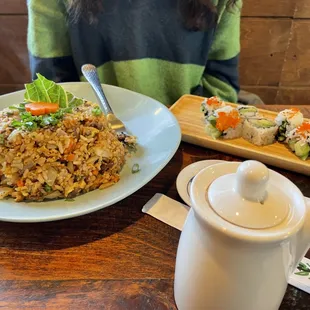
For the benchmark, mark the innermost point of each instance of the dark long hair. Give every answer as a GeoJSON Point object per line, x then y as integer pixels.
{"type": "Point", "coordinates": [196, 14]}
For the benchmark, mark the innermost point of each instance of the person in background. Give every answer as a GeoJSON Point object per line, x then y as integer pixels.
{"type": "Point", "coordinates": [160, 48]}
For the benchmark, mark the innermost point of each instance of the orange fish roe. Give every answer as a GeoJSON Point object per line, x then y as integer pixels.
{"type": "Point", "coordinates": [213, 101]}
{"type": "Point", "coordinates": [227, 120]}
{"type": "Point", "coordinates": [294, 112]}
{"type": "Point", "coordinates": [303, 128]}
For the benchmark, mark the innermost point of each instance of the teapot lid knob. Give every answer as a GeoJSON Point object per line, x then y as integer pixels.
{"type": "Point", "coordinates": [252, 178]}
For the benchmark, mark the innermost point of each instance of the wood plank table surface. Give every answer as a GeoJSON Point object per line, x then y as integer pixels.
{"type": "Point", "coordinates": [116, 258]}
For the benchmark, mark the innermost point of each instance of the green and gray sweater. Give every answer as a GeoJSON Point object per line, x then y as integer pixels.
{"type": "Point", "coordinates": [140, 45]}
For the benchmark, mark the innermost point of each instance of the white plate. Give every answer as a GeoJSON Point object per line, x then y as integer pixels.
{"type": "Point", "coordinates": [158, 135]}
{"type": "Point", "coordinates": [187, 175]}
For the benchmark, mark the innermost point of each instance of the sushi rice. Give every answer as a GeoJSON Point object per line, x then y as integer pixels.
{"type": "Point", "coordinates": [288, 120]}
{"type": "Point", "coordinates": [259, 131]}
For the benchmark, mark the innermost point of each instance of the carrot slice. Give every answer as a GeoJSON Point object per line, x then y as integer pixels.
{"type": "Point", "coordinates": [71, 146]}
{"type": "Point", "coordinates": [35, 110]}
{"type": "Point", "coordinates": [70, 157]}
{"type": "Point", "coordinates": [41, 108]}
{"type": "Point", "coordinates": [20, 183]}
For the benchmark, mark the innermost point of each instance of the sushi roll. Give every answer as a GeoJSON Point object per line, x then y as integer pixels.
{"type": "Point", "coordinates": [288, 120]}
{"type": "Point", "coordinates": [209, 105]}
{"type": "Point", "coordinates": [259, 131]}
{"type": "Point", "coordinates": [246, 111]}
{"type": "Point", "coordinates": [298, 140]}
{"type": "Point", "coordinates": [224, 122]}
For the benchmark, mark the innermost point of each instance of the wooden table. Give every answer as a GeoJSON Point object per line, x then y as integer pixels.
{"type": "Point", "coordinates": [116, 258]}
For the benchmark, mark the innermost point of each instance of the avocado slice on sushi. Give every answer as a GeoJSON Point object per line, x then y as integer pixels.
{"type": "Point", "coordinates": [262, 123]}
{"type": "Point", "coordinates": [302, 149]}
{"type": "Point", "coordinates": [247, 111]}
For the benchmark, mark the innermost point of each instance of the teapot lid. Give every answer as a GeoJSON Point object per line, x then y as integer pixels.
{"type": "Point", "coordinates": [248, 201]}
{"type": "Point", "coordinates": [242, 198]}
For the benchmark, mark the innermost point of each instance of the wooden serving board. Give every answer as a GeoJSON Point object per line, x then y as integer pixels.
{"type": "Point", "coordinates": [187, 111]}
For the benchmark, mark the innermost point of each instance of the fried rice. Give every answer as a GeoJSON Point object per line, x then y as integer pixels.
{"type": "Point", "coordinates": [79, 154]}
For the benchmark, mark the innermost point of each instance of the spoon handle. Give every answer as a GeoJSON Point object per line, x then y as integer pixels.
{"type": "Point", "coordinates": [90, 73]}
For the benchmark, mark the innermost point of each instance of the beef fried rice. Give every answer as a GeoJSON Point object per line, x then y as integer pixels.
{"type": "Point", "coordinates": [77, 155]}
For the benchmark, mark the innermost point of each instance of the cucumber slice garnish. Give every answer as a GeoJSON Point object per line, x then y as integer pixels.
{"type": "Point", "coordinates": [281, 138]}
{"type": "Point", "coordinates": [212, 120]}
{"type": "Point", "coordinates": [291, 144]}
{"type": "Point", "coordinates": [213, 132]}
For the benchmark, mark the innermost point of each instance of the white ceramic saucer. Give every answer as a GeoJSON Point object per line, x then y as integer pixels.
{"type": "Point", "coordinates": [187, 175]}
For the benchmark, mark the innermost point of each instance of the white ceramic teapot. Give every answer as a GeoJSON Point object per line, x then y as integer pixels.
{"type": "Point", "coordinates": [245, 234]}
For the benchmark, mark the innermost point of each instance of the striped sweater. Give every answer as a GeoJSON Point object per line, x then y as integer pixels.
{"type": "Point", "coordinates": [140, 45]}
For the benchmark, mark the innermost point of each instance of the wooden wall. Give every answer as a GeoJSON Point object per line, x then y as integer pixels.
{"type": "Point", "coordinates": [14, 69]}
{"type": "Point", "coordinates": [275, 58]}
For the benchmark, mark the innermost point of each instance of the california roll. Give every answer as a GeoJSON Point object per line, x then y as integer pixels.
{"type": "Point", "coordinates": [298, 140]}
{"type": "Point", "coordinates": [288, 120]}
{"type": "Point", "coordinates": [259, 131]}
{"type": "Point", "coordinates": [224, 122]}
{"type": "Point", "coordinates": [209, 105]}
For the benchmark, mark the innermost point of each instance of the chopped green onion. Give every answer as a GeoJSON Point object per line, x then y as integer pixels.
{"type": "Point", "coordinates": [30, 126]}
{"type": "Point", "coordinates": [1, 138]}
{"type": "Point", "coordinates": [97, 111]}
{"type": "Point", "coordinates": [48, 120]}
{"type": "Point", "coordinates": [69, 199]}
{"type": "Point", "coordinates": [16, 123]}
{"type": "Point", "coordinates": [31, 122]}
{"type": "Point", "coordinates": [20, 108]}
{"type": "Point", "coordinates": [135, 168]}
{"type": "Point", "coordinates": [47, 188]}
{"type": "Point", "coordinates": [26, 116]}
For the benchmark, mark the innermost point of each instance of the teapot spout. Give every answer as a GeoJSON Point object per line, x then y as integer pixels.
{"type": "Point", "coordinates": [303, 241]}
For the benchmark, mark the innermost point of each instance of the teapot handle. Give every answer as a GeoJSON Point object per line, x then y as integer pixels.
{"type": "Point", "coordinates": [303, 237]}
